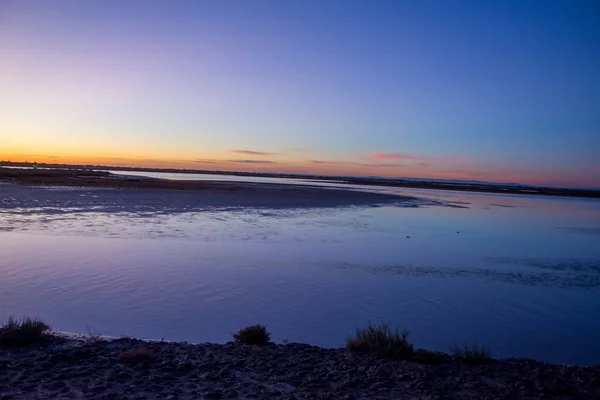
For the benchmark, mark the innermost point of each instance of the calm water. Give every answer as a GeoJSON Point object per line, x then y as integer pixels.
{"type": "Point", "coordinates": [520, 274]}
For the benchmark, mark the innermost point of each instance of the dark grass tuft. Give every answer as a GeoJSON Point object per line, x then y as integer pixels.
{"type": "Point", "coordinates": [22, 332]}
{"type": "Point", "coordinates": [135, 355]}
{"type": "Point", "coordinates": [429, 357]}
{"type": "Point", "coordinates": [254, 334]}
{"type": "Point", "coordinates": [381, 340]}
{"type": "Point", "coordinates": [473, 354]}
{"type": "Point", "coordinates": [92, 334]}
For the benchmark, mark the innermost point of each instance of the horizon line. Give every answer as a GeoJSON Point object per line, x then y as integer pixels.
{"type": "Point", "coordinates": [224, 172]}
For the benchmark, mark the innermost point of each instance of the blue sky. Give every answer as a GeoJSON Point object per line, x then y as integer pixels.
{"type": "Point", "coordinates": [455, 89]}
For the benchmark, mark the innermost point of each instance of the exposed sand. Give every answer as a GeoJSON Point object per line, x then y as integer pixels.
{"type": "Point", "coordinates": [70, 369]}
{"type": "Point", "coordinates": [105, 192]}
{"type": "Point", "coordinates": [404, 183]}
{"type": "Point", "coordinates": [217, 196]}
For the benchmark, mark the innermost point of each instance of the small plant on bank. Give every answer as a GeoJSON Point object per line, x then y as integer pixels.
{"type": "Point", "coordinates": [22, 332]}
{"type": "Point", "coordinates": [135, 355]}
{"type": "Point", "coordinates": [473, 354]}
{"type": "Point", "coordinates": [93, 335]}
{"type": "Point", "coordinates": [381, 340]}
{"type": "Point", "coordinates": [254, 334]}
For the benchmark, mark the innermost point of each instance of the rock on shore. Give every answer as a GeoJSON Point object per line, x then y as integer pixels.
{"type": "Point", "coordinates": [133, 369]}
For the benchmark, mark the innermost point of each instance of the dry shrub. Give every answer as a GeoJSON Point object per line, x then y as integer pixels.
{"type": "Point", "coordinates": [21, 332]}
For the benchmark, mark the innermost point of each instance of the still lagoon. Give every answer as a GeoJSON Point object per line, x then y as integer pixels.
{"type": "Point", "coordinates": [520, 274]}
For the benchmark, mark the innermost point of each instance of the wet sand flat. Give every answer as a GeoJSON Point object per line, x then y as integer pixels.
{"type": "Point", "coordinates": [34, 188]}
{"type": "Point", "coordinates": [481, 187]}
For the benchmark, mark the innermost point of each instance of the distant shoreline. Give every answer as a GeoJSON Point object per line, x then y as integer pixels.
{"type": "Point", "coordinates": [377, 182]}
{"type": "Point", "coordinates": [181, 195]}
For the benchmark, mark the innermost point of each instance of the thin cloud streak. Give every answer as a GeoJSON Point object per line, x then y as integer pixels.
{"type": "Point", "coordinates": [325, 162]}
{"type": "Point", "coordinates": [378, 155]}
{"type": "Point", "coordinates": [352, 163]}
{"type": "Point", "coordinates": [254, 153]}
{"type": "Point", "coordinates": [251, 161]}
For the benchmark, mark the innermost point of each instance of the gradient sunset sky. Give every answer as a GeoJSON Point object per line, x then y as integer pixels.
{"type": "Point", "coordinates": [504, 91]}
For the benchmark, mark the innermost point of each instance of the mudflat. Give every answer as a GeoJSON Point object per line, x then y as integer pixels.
{"type": "Point", "coordinates": [24, 187]}
{"type": "Point", "coordinates": [481, 187]}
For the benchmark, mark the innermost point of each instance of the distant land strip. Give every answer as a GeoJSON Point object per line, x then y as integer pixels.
{"type": "Point", "coordinates": [367, 181]}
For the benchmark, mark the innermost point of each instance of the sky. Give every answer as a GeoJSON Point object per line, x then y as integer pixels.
{"type": "Point", "coordinates": [504, 91]}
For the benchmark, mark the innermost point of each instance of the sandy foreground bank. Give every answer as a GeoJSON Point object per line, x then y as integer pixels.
{"type": "Point", "coordinates": [106, 192]}
{"type": "Point", "coordinates": [71, 369]}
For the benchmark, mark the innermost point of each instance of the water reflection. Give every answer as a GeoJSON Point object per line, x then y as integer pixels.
{"type": "Point", "coordinates": [521, 274]}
